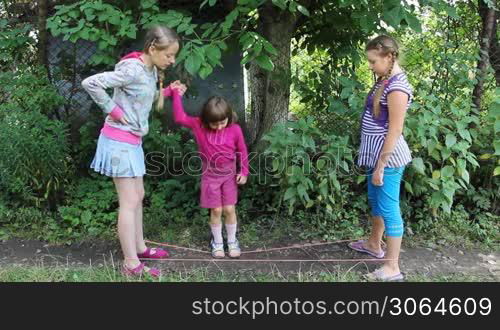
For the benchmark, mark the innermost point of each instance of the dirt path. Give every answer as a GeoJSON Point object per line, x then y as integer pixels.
{"type": "Point", "coordinates": [429, 262]}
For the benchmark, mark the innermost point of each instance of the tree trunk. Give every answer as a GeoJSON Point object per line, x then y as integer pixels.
{"type": "Point", "coordinates": [270, 91]}
{"type": "Point", "coordinates": [495, 50]}
{"type": "Point", "coordinates": [488, 18]}
{"type": "Point", "coordinates": [42, 33]}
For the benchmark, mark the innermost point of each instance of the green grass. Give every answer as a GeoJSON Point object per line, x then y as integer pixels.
{"type": "Point", "coordinates": [450, 278]}
{"type": "Point", "coordinates": [110, 273]}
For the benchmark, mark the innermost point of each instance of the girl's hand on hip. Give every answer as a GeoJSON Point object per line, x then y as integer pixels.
{"type": "Point", "coordinates": [123, 120]}
{"type": "Point", "coordinates": [378, 177]}
{"type": "Point", "coordinates": [241, 179]}
{"type": "Point", "coordinates": [120, 120]}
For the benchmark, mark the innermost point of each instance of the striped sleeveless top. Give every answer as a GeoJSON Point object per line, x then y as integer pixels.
{"type": "Point", "coordinates": [374, 130]}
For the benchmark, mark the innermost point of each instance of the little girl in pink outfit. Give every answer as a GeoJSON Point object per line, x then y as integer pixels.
{"type": "Point", "coordinates": [221, 146]}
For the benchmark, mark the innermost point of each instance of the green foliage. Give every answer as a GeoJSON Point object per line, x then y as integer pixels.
{"type": "Point", "coordinates": [34, 155]}
{"type": "Point", "coordinates": [168, 152]}
{"type": "Point", "coordinates": [492, 122]}
{"type": "Point", "coordinates": [441, 140]}
{"type": "Point", "coordinates": [307, 165]}
{"type": "Point", "coordinates": [335, 102]}
{"type": "Point", "coordinates": [84, 148]}
{"type": "Point", "coordinates": [173, 168]}
{"type": "Point", "coordinates": [199, 54]}
{"type": "Point", "coordinates": [27, 220]}
{"type": "Point", "coordinates": [16, 44]}
{"type": "Point", "coordinates": [111, 28]}
{"type": "Point", "coordinates": [176, 199]}
{"type": "Point", "coordinates": [94, 21]}
{"type": "Point", "coordinates": [457, 229]}
{"type": "Point", "coordinates": [28, 89]}
{"type": "Point", "coordinates": [91, 207]}
{"type": "Point", "coordinates": [448, 136]}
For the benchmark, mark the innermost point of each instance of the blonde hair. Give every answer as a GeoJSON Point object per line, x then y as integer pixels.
{"type": "Point", "coordinates": [384, 45]}
{"type": "Point", "coordinates": [160, 37]}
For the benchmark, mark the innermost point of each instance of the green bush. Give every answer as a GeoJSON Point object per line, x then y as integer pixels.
{"type": "Point", "coordinates": [28, 222]}
{"type": "Point", "coordinates": [34, 157]}
{"type": "Point", "coordinates": [91, 207]}
{"type": "Point", "coordinates": [85, 146]}
{"type": "Point", "coordinates": [179, 193]}
{"type": "Point", "coordinates": [28, 89]}
{"type": "Point", "coordinates": [167, 152]}
{"type": "Point", "coordinates": [16, 44]}
{"type": "Point", "coordinates": [307, 166]}
{"type": "Point", "coordinates": [441, 139]}
{"type": "Point", "coordinates": [457, 228]}
{"type": "Point", "coordinates": [35, 162]}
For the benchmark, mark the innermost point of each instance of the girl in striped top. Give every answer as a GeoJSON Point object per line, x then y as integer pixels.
{"type": "Point", "coordinates": [385, 153]}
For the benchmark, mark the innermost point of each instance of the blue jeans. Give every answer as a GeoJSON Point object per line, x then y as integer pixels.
{"type": "Point", "coordinates": [384, 200]}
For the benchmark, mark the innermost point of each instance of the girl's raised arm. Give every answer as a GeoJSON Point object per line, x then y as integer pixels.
{"type": "Point", "coordinates": [180, 116]}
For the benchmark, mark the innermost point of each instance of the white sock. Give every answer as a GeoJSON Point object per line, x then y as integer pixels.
{"type": "Point", "coordinates": [231, 232]}
{"type": "Point", "coordinates": [217, 232]}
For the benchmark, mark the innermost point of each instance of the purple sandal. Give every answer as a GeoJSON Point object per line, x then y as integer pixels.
{"type": "Point", "coordinates": [154, 253]}
{"type": "Point", "coordinates": [139, 270]}
{"type": "Point", "coordinates": [378, 275]}
{"type": "Point", "coordinates": [358, 246]}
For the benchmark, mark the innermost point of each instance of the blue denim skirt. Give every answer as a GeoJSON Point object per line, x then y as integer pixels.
{"type": "Point", "coordinates": [118, 159]}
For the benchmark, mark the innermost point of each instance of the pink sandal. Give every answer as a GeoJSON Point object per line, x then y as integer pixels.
{"type": "Point", "coordinates": [139, 270]}
{"type": "Point", "coordinates": [153, 253]}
